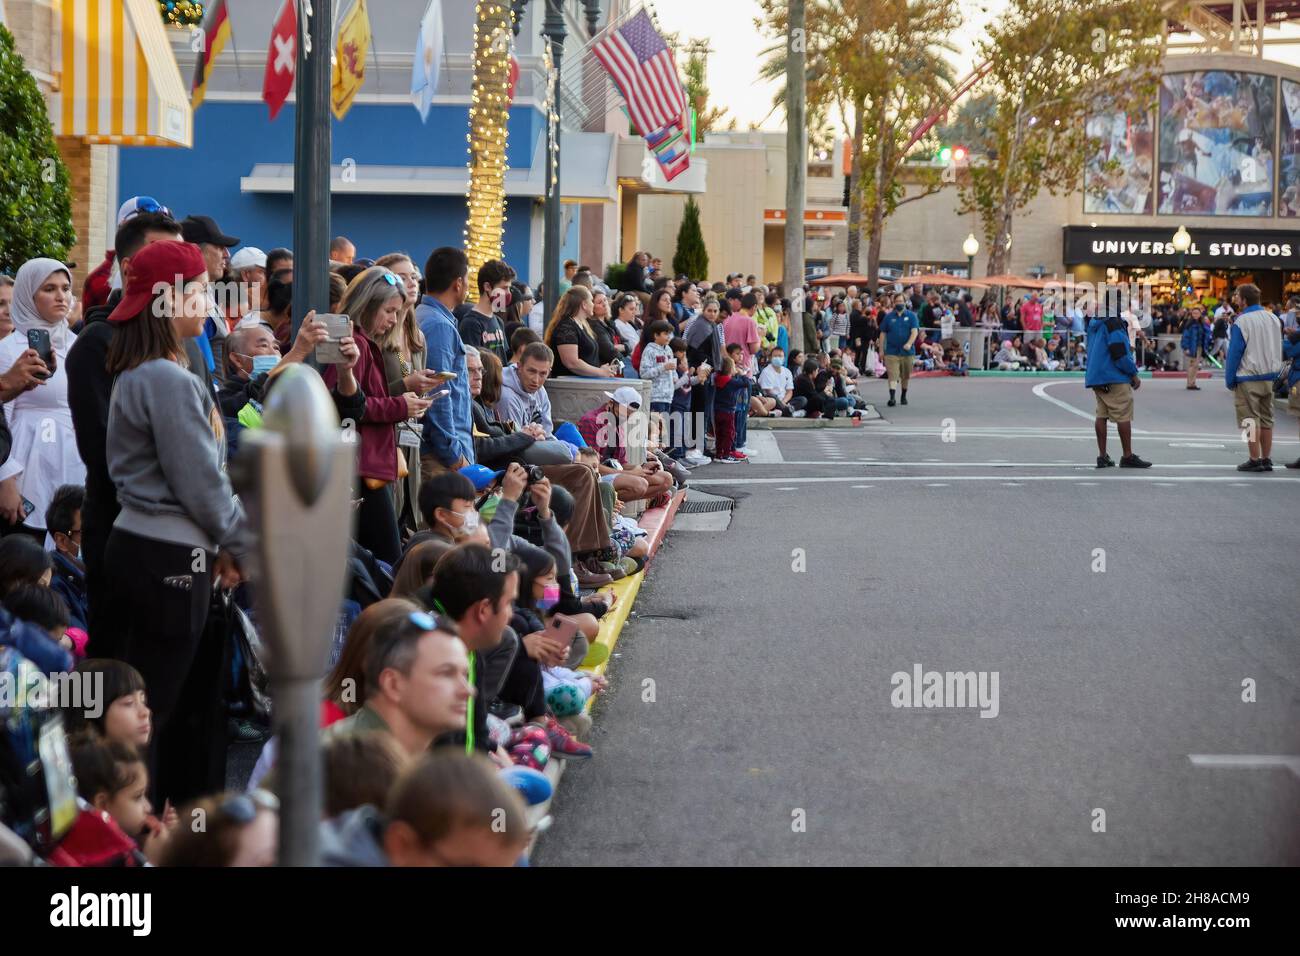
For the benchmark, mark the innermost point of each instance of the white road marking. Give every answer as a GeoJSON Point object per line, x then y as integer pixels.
{"type": "Point", "coordinates": [1246, 762]}
{"type": "Point", "coordinates": [766, 449]}
{"type": "Point", "coordinates": [1193, 444]}
{"type": "Point", "coordinates": [1012, 484]}
{"type": "Point", "coordinates": [1000, 464]}
{"type": "Point", "coordinates": [1275, 482]}
{"type": "Point", "coordinates": [863, 487]}
{"type": "Point", "coordinates": [936, 484]}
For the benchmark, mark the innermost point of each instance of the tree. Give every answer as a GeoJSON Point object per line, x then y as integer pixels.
{"type": "Point", "coordinates": [35, 202]}
{"type": "Point", "coordinates": [1053, 62]}
{"type": "Point", "coordinates": [707, 117]}
{"type": "Point", "coordinates": [796, 161]}
{"type": "Point", "coordinates": [691, 258]}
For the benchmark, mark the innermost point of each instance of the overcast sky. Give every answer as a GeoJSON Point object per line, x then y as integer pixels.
{"type": "Point", "coordinates": [734, 64]}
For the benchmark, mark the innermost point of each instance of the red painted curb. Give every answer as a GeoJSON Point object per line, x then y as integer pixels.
{"type": "Point", "coordinates": [657, 521]}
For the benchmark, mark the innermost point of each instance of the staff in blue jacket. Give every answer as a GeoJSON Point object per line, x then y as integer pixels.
{"type": "Point", "coordinates": [1291, 350]}
{"type": "Point", "coordinates": [1195, 343]}
{"type": "Point", "coordinates": [1113, 375]}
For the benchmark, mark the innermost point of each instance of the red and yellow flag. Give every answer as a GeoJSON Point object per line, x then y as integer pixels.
{"type": "Point", "coordinates": [214, 35]}
{"type": "Point", "coordinates": [350, 59]}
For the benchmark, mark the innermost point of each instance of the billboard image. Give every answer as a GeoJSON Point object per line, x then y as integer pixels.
{"type": "Point", "coordinates": [1288, 182]}
{"type": "Point", "coordinates": [1117, 175]}
{"type": "Point", "coordinates": [1216, 143]}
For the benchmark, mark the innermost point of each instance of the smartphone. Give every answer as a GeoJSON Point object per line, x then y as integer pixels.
{"type": "Point", "coordinates": [337, 327]}
{"type": "Point", "coordinates": [563, 629]}
{"type": "Point", "coordinates": [441, 378]}
{"type": "Point", "coordinates": [39, 339]}
{"type": "Point", "coordinates": [28, 508]}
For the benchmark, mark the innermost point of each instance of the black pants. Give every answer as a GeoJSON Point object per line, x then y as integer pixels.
{"type": "Point", "coordinates": [103, 636]}
{"type": "Point", "coordinates": [159, 596]}
{"type": "Point", "coordinates": [523, 686]}
{"type": "Point", "coordinates": [377, 524]}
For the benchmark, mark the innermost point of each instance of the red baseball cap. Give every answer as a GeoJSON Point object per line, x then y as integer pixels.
{"type": "Point", "coordinates": [158, 264]}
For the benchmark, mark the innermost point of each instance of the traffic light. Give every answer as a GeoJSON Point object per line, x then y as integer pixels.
{"type": "Point", "coordinates": [952, 154]}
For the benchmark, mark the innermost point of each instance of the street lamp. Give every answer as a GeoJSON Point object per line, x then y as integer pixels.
{"type": "Point", "coordinates": [971, 247]}
{"type": "Point", "coordinates": [1182, 241]}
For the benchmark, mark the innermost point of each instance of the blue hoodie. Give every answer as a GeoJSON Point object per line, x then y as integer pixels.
{"type": "Point", "coordinates": [1291, 350]}
{"type": "Point", "coordinates": [1110, 358]}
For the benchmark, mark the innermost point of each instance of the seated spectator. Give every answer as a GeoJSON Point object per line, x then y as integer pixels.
{"type": "Point", "coordinates": [360, 769]}
{"type": "Point", "coordinates": [778, 384]}
{"type": "Point", "coordinates": [416, 684]}
{"type": "Point", "coordinates": [604, 428]}
{"type": "Point", "coordinates": [497, 443]}
{"type": "Point", "coordinates": [1008, 358]}
{"type": "Point", "coordinates": [816, 402]}
{"type": "Point", "coordinates": [112, 778]}
{"type": "Point", "coordinates": [121, 713]}
{"type": "Point", "coordinates": [44, 609]}
{"type": "Point", "coordinates": [23, 561]}
{"type": "Point", "coordinates": [415, 570]}
{"type": "Point", "coordinates": [446, 809]}
{"type": "Point", "coordinates": [68, 579]}
{"type": "Point", "coordinates": [241, 829]}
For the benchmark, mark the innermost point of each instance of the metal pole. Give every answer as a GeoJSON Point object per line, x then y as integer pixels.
{"type": "Point", "coordinates": [313, 135]}
{"type": "Point", "coordinates": [970, 268]}
{"type": "Point", "coordinates": [554, 32]}
{"type": "Point", "coordinates": [796, 159]}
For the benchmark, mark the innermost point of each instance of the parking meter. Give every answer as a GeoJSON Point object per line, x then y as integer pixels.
{"type": "Point", "coordinates": [295, 478]}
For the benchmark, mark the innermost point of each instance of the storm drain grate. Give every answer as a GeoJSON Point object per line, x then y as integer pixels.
{"type": "Point", "coordinates": [704, 507]}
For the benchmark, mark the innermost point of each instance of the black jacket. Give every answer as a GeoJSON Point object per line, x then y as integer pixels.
{"type": "Point", "coordinates": [495, 447]}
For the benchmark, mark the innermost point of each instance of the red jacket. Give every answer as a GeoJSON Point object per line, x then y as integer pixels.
{"type": "Point", "coordinates": [377, 456]}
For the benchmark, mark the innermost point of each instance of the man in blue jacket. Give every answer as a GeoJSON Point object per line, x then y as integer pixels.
{"type": "Point", "coordinates": [898, 333]}
{"type": "Point", "coordinates": [447, 443]}
{"type": "Point", "coordinates": [1291, 350]}
{"type": "Point", "coordinates": [1195, 345]}
{"type": "Point", "coordinates": [1113, 375]}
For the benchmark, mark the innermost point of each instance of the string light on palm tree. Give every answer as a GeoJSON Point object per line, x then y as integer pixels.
{"type": "Point", "coordinates": [489, 117]}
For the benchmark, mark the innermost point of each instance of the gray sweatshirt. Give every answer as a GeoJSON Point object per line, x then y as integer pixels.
{"type": "Point", "coordinates": [167, 462]}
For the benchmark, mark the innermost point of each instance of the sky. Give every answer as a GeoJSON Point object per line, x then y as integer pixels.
{"type": "Point", "coordinates": [737, 48]}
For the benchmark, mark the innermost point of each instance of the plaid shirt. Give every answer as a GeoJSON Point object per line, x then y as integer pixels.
{"type": "Point", "coordinates": [594, 426]}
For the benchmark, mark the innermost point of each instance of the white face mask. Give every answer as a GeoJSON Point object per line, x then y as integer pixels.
{"type": "Point", "coordinates": [469, 522]}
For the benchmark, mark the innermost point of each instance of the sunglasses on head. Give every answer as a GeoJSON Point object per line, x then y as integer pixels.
{"type": "Point", "coordinates": [243, 807]}
{"type": "Point", "coordinates": [391, 279]}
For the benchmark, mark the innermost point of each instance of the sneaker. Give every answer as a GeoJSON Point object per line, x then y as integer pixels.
{"type": "Point", "coordinates": [614, 571]}
{"type": "Point", "coordinates": [1267, 463]}
{"type": "Point", "coordinates": [589, 579]}
{"type": "Point", "coordinates": [564, 744]}
{"type": "Point", "coordinates": [891, 403]}
{"type": "Point", "coordinates": [745, 450]}
{"type": "Point", "coordinates": [1133, 461]}
{"type": "Point", "coordinates": [1293, 464]}
{"type": "Point", "coordinates": [512, 714]}
{"type": "Point", "coordinates": [738, 455]}
{"type": "Point", "coordinates": [1251, 465]}
{"type": "Point", "coordinates": [903, 400]}
{"type": "Point", "coordinates": [1104, 461]}
{"type": "Point", "coordinates": [244, 731]}
{"type": "Point", "coordinates": [695, 459]}
{"type": "Point", "coordinates": [776, 413]}
{"type": "Point", "coordinates": [799, 413]}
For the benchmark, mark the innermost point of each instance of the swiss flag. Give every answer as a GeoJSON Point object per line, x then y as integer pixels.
{"type": "Point", "coordinates": [281, 57]}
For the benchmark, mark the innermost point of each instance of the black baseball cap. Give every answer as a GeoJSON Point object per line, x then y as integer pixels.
{"type": "Point", "coordinates": [200, 229]}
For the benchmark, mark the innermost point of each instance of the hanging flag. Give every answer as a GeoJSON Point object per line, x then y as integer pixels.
{"type": "Point", "coordinates": [350, 59]}
{"type": "Point", "coordinates": [513, 78]}
{"type": "Point", "coordinates": [671, 148]}
{"type": "Point", "coordinates": [642, 67]}
{"type": "Point", "coordinates": [281, 57]}
{"type": "Point", "coordinates": [216, 33]}
{"type": "Point", "coordinates": [427, 63]}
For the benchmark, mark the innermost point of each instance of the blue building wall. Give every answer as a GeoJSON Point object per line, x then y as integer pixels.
{"type": "Point", "coordinates": [230, 138]}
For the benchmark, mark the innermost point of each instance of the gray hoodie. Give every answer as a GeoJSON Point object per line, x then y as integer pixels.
{"type": "Point", "coordinates": [168, 463]}
{"type": "Point", "coordinates": [353, 839]}
{"type": "Point", "coordinates": [519, 406]}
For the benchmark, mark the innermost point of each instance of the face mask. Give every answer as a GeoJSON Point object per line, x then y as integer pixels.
{"type": "Point", "coordinates": [778, 360]}
{"type": "Point", "coordinates": [550, 597]}
{"type": "Point", "coordinates": [264, 363]}
{"type": "Point", "coordinates": [468, 524]}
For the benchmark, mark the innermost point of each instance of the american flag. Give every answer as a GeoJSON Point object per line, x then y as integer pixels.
{"type": "Point", "coordinates": [642, 68]}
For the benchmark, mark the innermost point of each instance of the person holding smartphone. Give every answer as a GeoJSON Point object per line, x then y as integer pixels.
{"type": "Point", "coordinates": [374, 300]}
{"type": "Point", "coordinates": [43, 454]}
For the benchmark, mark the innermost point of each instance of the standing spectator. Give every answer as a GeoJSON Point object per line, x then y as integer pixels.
{"type": "Point", "coordinates": [43, 454]}
{"type": "Point", "coordinates": [374, 300]}
{"type": "Point", "coordinates": [1291, 350]}
{"type": "Point", "coordinates": [404, 368]}
{"type": "Point", "coordinates": [1195, 344]}
{"type": "Point", "coordinates": [166, 455]}
{"type": "Point", "coordinates": [898, 333]}
{"type": "Point", "coordinates": [1031, 314]}
{"type": "Point", "coordinates": [447, 443]}
{"type": "Point", "coordinates": [571, 336]}
{"type": "Point", "coordinates": [1291, 317]}
{"type": "Point", "coordinates": [570, 270]}
{"type": "Point", "coordinates": [215, 245]}
{"type": "Point", "coordinates": [1113, 376]}
{"type": "Point", "coordinates": [6, 303]}
{"type": "Point", "coordinates": [627, 320]}
{"type": "Point", "coordinates": [342, 251]}
{"type": "Point", "coordinates": [480, 327]}
{"type": "Point", "coordinates": [863, 333]}
{"type": "Point", "coordinates": [766, 318]}
{"type": "Point", "coordinates": [732, 389]}
{"type": "Point", "coordinates": [660, 368]}
{"type": "Point", "coordinates": [740, 329]}
{"type": "Point", "coordinates": [1254, 361]}
{"type": "Point", "coordinates": [704, 354]}
{"type": "Point", "coordinates": [248, 266]}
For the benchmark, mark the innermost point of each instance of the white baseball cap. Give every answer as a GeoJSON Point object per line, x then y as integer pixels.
{"type": "Point", "coordinates": [138, 204]}
{"type": "Point", "coordinates": [248, 257]}
{"type": "Point", "coordinates": [625, 395]}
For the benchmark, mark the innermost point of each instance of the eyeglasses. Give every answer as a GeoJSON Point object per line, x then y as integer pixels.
{"type": "Point", "coordinates": [243, 807]}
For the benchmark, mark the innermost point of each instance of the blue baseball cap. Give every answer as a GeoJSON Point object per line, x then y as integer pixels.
{"type": "Point", "coordinates": [481, 475]}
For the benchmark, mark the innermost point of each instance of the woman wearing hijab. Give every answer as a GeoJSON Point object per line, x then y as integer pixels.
{"type": "Point", "coordinates": [44, 451]}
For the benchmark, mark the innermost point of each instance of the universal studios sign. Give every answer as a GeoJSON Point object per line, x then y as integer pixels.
{"type": "Point", "coordinates": [1210, 248]}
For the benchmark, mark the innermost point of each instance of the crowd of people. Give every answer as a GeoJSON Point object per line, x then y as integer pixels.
{"type": "Point", "coordinates": [487, 528]}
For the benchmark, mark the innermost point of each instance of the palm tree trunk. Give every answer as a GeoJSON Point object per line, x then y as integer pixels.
{"type": "Point", "coordinates": [855, 186]}
{"type": "Point", "coordinates": [796, 161]}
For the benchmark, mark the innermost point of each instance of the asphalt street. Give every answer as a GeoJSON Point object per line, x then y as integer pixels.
{"type": "Point", "coordinates": [752, 719]}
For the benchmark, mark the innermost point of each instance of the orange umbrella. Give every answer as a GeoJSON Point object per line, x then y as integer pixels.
{"type": "Point", "coordinates": [845, 279]}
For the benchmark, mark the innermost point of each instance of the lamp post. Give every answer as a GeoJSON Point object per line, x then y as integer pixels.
{"type": "Point", "coordinates": [1182, 241]}
{"type": "Point", "coordinates": [313, 131]}
{"type": "Point", "coordinates": [971, 248]}
{"type": "Point", "coordinates": [554, 32]}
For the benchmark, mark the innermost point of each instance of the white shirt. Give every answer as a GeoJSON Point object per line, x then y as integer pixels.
{"type": "Point", "coordinates": [776, 381]}
{"type": "Point", "coordinates": [44, 453]}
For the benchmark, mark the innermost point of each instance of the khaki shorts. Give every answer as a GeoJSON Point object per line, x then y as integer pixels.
{"type": "Point", "coordinates": [898, 368]}
{"type": "Point", "coordinates": [1115, 405]}
{"type": "Point", "coordinates": [1295, 399]}
{"type": "Point", "coordinates": [1254, 400]}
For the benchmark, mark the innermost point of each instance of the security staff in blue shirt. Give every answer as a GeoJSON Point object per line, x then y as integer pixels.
{"type": "Point", "coordinates": [898, 333]}
{"type": "Point", "coordinates": [1195, 343]}
{"type": "Point", "coordinates": [1113, 376]}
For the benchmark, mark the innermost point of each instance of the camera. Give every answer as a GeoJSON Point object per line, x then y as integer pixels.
{"type": "Point", "coordinates": [534, 473]}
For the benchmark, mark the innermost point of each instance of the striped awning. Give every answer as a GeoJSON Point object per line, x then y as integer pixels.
{"type": "Point", "coordinates": [116, 80]}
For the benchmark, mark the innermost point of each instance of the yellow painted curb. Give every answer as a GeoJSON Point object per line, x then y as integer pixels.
{"type": "Point", "coordinates": [611, 625]}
